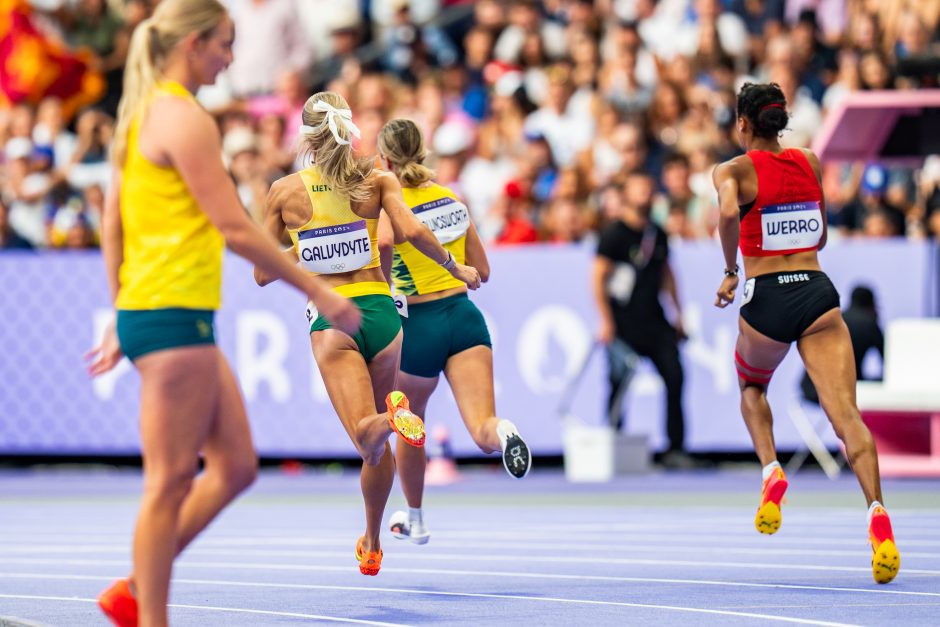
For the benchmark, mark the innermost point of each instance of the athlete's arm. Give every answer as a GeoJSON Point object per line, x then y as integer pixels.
{"type": "Point", "coordinates": [112, 234]}
{"type": "Point", "coordinates": [190, 140]}
{"type": "Point", "coordinates": [386, 239]}
{"type": "Point", "coordinates": [107, 353]}
{"type": "Point", "coordinates": [273, 224]}
{"type": "Point", "coordinates": [417, 233]}
{"type": "Point", "coordinates": [817, 170]}
{"type": "Point", "coordinates": [476, 254]}
{"type": "Point", "coordinates": [729, 228]}
{"type": "Point", "coordinates": [600, 273]}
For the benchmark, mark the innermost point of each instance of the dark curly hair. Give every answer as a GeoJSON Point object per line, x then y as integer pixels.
{"type": "Point", "coordinates": [765, 107]}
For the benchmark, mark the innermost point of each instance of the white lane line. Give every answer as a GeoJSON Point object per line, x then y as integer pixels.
{"type": "Point", "coordinates": [560, 547]}
{"type": "Point", "coordinates": [210, 608]}
{"type": "Point", "coordinates": [474, 595]}
{"type": "Point", "coordinates": [473, 573]}
{"type": "Point", "coordinates": [745, 539]}
{"type": "Point", "coordinates": [450, 557]}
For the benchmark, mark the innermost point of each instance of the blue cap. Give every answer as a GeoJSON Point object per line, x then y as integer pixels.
{"type": "Point", "coordinates": [874, 179]}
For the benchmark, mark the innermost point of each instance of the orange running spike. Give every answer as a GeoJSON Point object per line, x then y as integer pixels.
{"type": "Point", "coordinates": [402, 421]}
{"type": "Point", "coordinates": [118, 604]}
{"type": "Point", "coordinates": [768, 517]}
{"type": "Point", "coordinates": [885, 559]}
{"type": "Point", "coordinates": [369, 563]}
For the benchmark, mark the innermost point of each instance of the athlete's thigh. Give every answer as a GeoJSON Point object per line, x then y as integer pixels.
{"type": "Point", "coordinates": [230, 433]}
{"type": "Point", "coordinates": [826, 349]}
{"type": "Point", "coordinates": [345, 376]}
{"type": "Point", "coordinates": [179, 393]}
{"type": "Point", "coordinates": [418, 390]}
{"type": "Point", "coordinates": [470, 375]}
{"type": "Point", "coordinates": [383, 370]}
{"type": "Point", "coordinates": [757, 350]}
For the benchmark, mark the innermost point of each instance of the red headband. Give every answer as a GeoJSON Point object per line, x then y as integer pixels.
{"type": "Point", "coordinates": [772, 106]}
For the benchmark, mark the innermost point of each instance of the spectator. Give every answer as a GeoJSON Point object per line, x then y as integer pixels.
{"type": "Point", "coordinates": [276, 41]}
{"type": "Point", "coordinates": [886, 220]}
{"type": "Point", "coordinates": [679, 211]}
{"type": "Point", "coordinates": [564, 222]}
{"type": "Point", "coordinates": [10, 239]}
{"type": "Point", "coordinates": [240, 148]}
{"type": "Point", "coordinates": [28, 185]}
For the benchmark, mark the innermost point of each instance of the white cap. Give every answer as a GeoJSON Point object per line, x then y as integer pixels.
{"type": "Point", "coordinates": [237, 141]}
{"type": "Point", "coordinates": [18, 148]}
{"type": "Point", "coordinates": [451, 138]}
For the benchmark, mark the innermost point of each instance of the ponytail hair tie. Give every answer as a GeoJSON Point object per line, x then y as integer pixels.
{"type": "Point", "coordinates": [772, 106]}
{"type": "Point", "coordinates": [334, 119]}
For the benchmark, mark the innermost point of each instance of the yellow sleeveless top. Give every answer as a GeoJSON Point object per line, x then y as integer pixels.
{"type": "Point", "coordinates": [172, 252]}
{"type": "Point", "coordinates": [335, 239]}
{"type": "Point", "coordinates": [436, 206]}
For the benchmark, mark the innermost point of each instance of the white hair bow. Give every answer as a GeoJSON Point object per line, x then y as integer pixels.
{"type": "Point", "coordinates": [332, 115]}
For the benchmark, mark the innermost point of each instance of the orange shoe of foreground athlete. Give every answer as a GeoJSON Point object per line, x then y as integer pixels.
{"type": "Point", "coordinates": [885, 559]}
{"type": "Point", "coordinates": [768, 517]}
{"type": "Point", "coordinates": [369, 563]}
{"type": "Point", "coordinates": [405, 423]}
{"type": "Point", "coordinates": [119, 604]}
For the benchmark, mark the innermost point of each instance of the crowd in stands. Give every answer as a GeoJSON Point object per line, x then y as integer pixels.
{"type": "Point", "coordinates": [535, 112]}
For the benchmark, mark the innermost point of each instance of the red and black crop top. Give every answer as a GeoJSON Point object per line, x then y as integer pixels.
{"type": "Point", "coordinates": [786, 217]}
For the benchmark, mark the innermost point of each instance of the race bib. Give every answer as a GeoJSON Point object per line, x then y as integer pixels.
{"type": "Point", "coordinates": [335, 249]}
{"type": "Point", "coordinates": [748, 291]}
{"type": "Point", "coordinates": [447, 218]}
{"type": "Point", "coordinates": [311, 313]}
{"type": "Point", "coordinates": [792, 226]}
{"type": "Point", "coordinates": [401, 304]}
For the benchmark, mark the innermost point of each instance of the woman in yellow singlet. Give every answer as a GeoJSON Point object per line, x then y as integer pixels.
{"type": "Point", "coordinates": [169, 213]}
{"type": "Point", "coordinates": [444, 332]}
{"type": "Point", "coordinates": [330, 211]}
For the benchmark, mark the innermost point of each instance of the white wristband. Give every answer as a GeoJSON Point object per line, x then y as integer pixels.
{"type": "Point", "coordinates": [450, 263]}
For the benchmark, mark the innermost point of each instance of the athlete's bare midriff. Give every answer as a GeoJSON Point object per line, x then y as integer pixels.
{"type": "Point", "coordinates": [756, 266]}
{"type": "Point", "coordinates": [416, 299]}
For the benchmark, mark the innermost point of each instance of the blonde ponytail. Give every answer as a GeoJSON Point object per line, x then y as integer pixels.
{"type": "Point", "coordinates": [400, 141]}
{"type": "Point", "coordinates": [151, 42]}
{"type": "Point", "coordinates": [327, 133]}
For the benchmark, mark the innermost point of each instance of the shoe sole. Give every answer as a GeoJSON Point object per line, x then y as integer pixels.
{"type": "Point", "coordinates": [885, 562]}
{"type": "Point", "coordinates": [769, 517]}
{"type": "Point", "coordinates": [398, 535]}
{"type": "Point", "coordinates": [516, 458]}
{"type": "Point", "coordinates": [415, 436]}
{"type": "Point", "coordinates": [365, 569]}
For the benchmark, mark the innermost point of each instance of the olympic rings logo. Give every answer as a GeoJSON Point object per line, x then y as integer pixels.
{"type": "Point", "coordinates": [338, 266]}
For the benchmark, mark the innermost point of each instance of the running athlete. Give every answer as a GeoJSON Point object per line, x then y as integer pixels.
{"type": "Point", "coordinates": [330, 211]}
{"type": "Point", "coordinates": [444, 331]}
{"type": "Point", "coordinates": [170, 212]}
{"type": "Point", "coordinates": [772, 206]}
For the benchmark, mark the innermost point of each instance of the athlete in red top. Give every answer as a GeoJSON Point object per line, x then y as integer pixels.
{"type": "Point", "coordinates": [772, 206]}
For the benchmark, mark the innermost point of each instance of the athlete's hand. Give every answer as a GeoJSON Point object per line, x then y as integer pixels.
{"type": "Point", "coordinates": [339, 310]}
{"type": "Point", "coordinates": [605, 334]}
{"type": "Point", "coordinates": [726, 292]}
{"type": "Point", "coordinates": [107, 354]}
{"type": "Point", "coordinates": [467, 274]}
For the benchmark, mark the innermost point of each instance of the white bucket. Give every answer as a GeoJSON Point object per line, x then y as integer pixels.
{"type": "Point", "coordinates": [599, 453]}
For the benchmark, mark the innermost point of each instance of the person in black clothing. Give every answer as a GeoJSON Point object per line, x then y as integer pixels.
{"type": "Point", "coordinates": [10, 239]}
{"type": "Point", "coordinates": [631, 268]}
{"type": "Point", "coordinates": [862, 319]}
